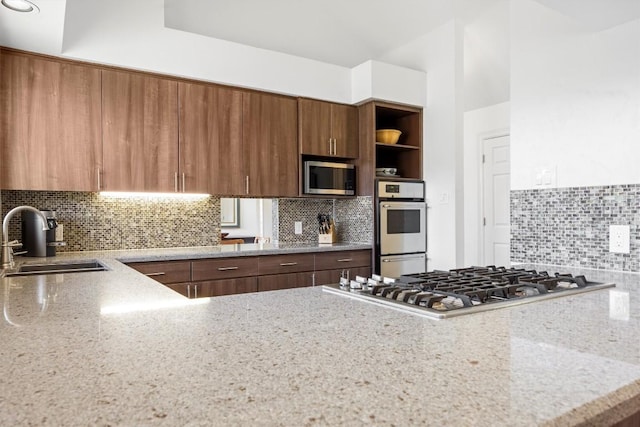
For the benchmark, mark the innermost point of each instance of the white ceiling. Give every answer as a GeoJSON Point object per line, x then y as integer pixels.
{"type": "Point", "coordinates": [341, 32]}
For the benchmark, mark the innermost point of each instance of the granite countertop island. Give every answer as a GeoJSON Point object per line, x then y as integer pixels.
{"type": "Point", "coordinates": [117, 348]}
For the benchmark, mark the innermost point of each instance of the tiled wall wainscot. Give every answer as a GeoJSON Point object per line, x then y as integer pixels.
{"type": "Point", "coordinates": [95, 222]}
{"type": "Point", "coordinates": [570, 226]}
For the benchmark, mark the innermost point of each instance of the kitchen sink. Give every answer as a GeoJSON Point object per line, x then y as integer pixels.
{"type": "Point", "coordinates": [57, 268]}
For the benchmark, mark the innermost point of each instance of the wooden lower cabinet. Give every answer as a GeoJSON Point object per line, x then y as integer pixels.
{"type": "Point", "coordinates": [216, 288]}
{"type": "Point", "coordinates": [328, 277]}
{"type": "Point", "coordinates": [285, 281]}
{"type": "Point", "coordinates": [203, 278]}
{"type": "Point", "coordinates": [166, 272]}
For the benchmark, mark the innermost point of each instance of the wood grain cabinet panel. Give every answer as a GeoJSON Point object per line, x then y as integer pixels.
{"type": "Point", "coordinates": [281, 264]}
{"type": "Point", "coordinates": [50, 124]}
{"type": "Point", "coordinates": [165, 271]}
{"type": "Point", "coordinates": [216, 288]}
{"type": "Point", "coordinates": [343, 259]}
{"type": "Point", "coordinates": [328, 277]}
{"type": "Point", "coordinates": [223, 268]}
{"type": "Point", "coordinates": [327, 129]}
{"type": "Point", "coordinates": [285, 281]}
{"type": "Point", "coordinates": [140, 132]}
{"type": "Point", "coordinates": [269, 135]}
{"type": "Point", "coordinates": [211, 139]}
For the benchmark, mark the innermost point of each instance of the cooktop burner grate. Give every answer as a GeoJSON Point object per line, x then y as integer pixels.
{"type": "Point", "coordinates": [442, 294]}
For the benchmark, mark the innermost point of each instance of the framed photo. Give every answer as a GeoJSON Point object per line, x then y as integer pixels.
{"type": "Point", "coordinates": [229, 212]}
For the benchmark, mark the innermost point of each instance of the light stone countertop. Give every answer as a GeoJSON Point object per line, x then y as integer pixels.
{"type": "Point", "coordinates": [117, 348]}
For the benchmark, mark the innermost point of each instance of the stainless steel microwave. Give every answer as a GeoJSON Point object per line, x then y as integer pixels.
{"type": "Point", "coordinates": [338, 179]}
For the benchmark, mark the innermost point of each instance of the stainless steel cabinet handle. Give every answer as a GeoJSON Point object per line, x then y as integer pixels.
{"type": "Point", "coordinates": [195, 290]}
{"type": "Point", "coordinates": [335, 147]}
{"type": "Point", "coordinates": [175, 181]}
{"type": "Point", "coordinates": [246, 178]}
{"type": "Point", "coordinates": [330, 147]}
{"type": "Point", "coordinates": [99, 183]}
{"type": "Point", "coordinates": [345, 260]}
{"type": "Point", "coordinates": [188, 291]}
{"type": "Point", "coordinates": [159, 273]}
{"type": "Point", "coordinates": [286, 264]}
{"type": "Point", "coordinates": [401, 259]}
{"type": "Point", "coordinates": [183, 182]}
{"type": "Point", "coordinates": [227, 268]}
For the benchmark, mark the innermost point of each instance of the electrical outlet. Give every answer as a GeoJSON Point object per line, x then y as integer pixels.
{"type": "Point", "coordinates": [619, 241]}
{"type": "Point", "coordinates": [298, 227]}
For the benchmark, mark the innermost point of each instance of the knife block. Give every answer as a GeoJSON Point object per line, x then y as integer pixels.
{"type": "Point", "coordinates": [328, 238]}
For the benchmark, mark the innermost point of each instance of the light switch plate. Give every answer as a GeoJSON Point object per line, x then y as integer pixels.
{"type": "Point", "coordinates": [619, 241]}
{"type": "Point", "coordinates": [298, 227]}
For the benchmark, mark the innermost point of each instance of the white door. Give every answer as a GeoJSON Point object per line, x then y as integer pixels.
{"type": "Point", "coordinates": [496, 187]}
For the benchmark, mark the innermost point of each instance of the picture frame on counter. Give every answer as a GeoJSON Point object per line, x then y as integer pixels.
{"type": "Point", "coordinates": [229, 212]}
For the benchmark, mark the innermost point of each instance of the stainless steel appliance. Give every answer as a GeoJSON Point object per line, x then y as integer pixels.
{"type": "Point", "coordinates": [442, 294]}
{"type": "Point", "coordinates": [401, 228]}
{"type": "Point", "coordinates": [36, 241]}
{"type": "Point", "coordinates": [337, 179]}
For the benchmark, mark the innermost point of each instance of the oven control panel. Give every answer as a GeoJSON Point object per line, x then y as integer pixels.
{"type": "Point", "coordinates": [413, 190]}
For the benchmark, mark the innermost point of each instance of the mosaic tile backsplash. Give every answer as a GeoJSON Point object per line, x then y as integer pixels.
{"type": "Point", "coordinates": [570, 226]}
{"type": "Point", "coordinates": [95, 222]}
{"type": "Point", "coordinates": [353, 219]}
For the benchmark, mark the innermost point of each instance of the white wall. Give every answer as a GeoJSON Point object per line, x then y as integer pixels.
{"type": "Point", "coordinates": [478, 125]}
{"type": "Point", "coordinates": [441, 54]}
{"type": "Point", "coordinates": [378, 80]}
{"type": "Point", "coordinates": [136, 38]}
{"type": "Point", "coordinates": [575, 100]}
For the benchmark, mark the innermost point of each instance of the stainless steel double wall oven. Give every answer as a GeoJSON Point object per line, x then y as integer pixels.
{"type": "Point", "coordinates": [401, 228]}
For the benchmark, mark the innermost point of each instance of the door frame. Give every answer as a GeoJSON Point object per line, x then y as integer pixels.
{"type": "Point", "coordinates": [482, 137]}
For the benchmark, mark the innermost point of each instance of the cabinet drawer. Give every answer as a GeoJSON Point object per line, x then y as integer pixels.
{"type": "Point", "coordinates": [343, 259]}
{"type": "Point", "coordinates": [224, 268]}
{"type": "Point", "coordinates": [279, 264]}
{"type": "Point", "coordinates": [165, 271]}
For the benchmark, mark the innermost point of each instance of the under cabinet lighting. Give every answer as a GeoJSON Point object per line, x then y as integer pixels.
{"type": "Point", "coordinates": [24, 6]}
{"type": "Point", "coordinates": [149, 196]}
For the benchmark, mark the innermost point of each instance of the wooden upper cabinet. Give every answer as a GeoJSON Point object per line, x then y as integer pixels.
{"type": "Point", "coordinates": [211, 139]}
{"type": "Point", "coordinates": [50, 124]}
{"type": "Point", "coordinates": [327, 129]}
{"type": "Point", "coordinates": [269, 135]}
{"type": "Point", "coordinates": [140, 132]}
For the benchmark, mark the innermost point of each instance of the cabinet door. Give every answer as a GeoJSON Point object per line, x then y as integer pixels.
{"type": "Point", "coordinates": [285, 281]}
{"type": "Point", "coordinates": [140, 132]}
{"type": "Point", "coordinates": [328, 277]}
{"type": "Point", "coordinates": [211, 139]}
{"type": "Point", "coordinates": [216, 288]}
{"type": "Point", "coordinates": [344, 130]}
{"type": "Point", "coordinates": [269, 134]}
{"type": "Point", "coordinates": [50, 124]}
{"type": "Point", "coordinates": [314, 127]}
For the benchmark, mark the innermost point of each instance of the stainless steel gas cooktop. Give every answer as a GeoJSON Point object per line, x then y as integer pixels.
{"type": "Point", "coordinates": [443, 294]}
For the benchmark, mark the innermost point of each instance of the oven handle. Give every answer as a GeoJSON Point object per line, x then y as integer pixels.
{"type": "Point", "coordinates": [418, 205]}
{"type": "Point", "coordinates": [402, 259]}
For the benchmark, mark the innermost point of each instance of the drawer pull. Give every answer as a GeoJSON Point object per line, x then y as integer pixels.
{"type": "Point", "coordinates": [345, 260]}
{"type": "Point", "coordinates": [287, 264]}
{"type": "Point", "coordinates": [160, 273]}
{"type": "Point", "coordinates": [227, 268]}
